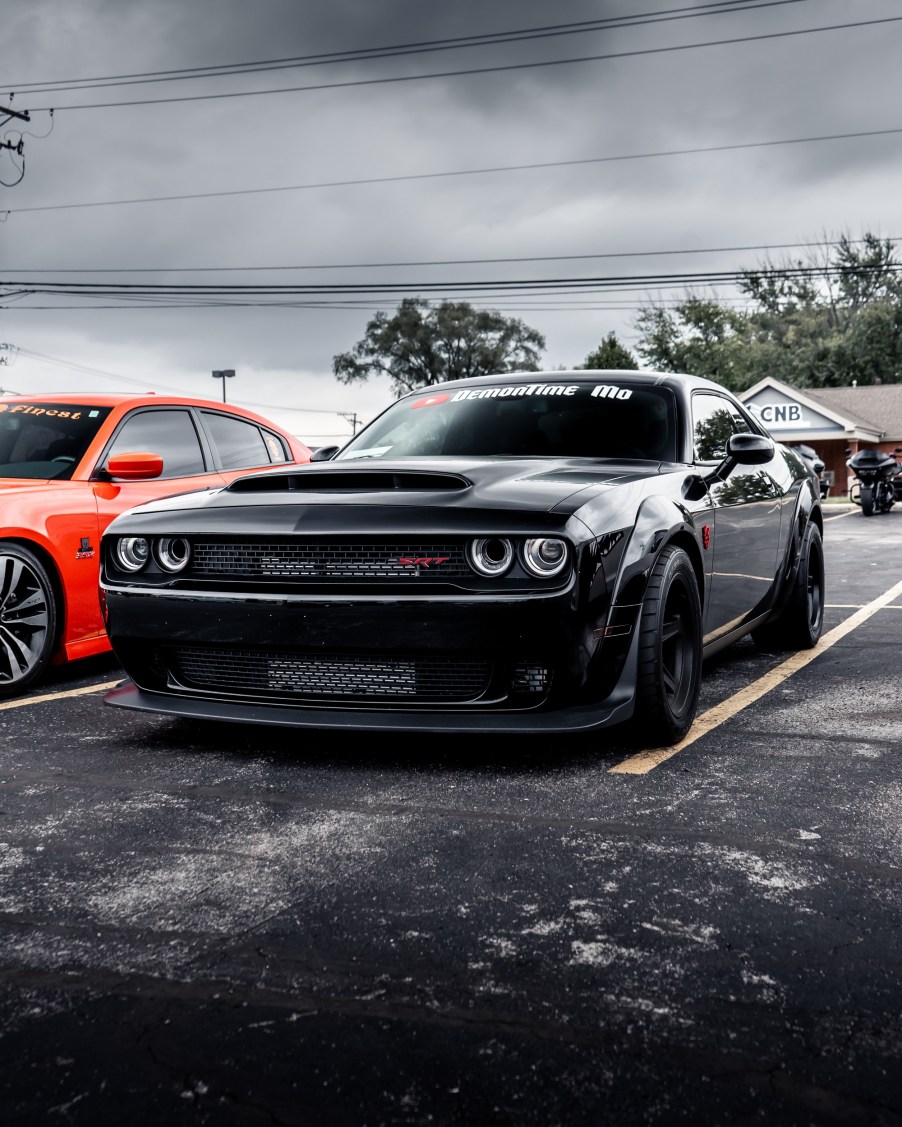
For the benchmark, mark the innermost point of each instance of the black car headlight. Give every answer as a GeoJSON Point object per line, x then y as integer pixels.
{"type": "Point", "coordinates": [491, 555]}
{"type": "Point", "coordinates": [173, 553]}
{"type": "Point", "coordinates": [545, 556]}
{"type": "Point", "coordinates": [131, 552]}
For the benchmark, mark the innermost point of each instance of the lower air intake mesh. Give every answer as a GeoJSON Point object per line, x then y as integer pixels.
{"type": "Point", "coordinates": [351, 677]}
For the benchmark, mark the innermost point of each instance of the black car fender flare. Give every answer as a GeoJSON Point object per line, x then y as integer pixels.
{"type": "Point", "coordinates": [659, 521]}
{"type": "Point", "coordinates": [806, 509]}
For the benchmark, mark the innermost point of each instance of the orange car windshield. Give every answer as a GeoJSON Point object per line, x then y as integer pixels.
{"type": "Point", "coordinates": [46, 440]}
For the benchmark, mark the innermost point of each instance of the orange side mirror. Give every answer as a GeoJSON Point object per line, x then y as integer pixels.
{"type": "Point", "coordinates": [138, 466]}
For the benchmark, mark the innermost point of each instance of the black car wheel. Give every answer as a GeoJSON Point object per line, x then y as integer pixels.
{"type": "Point", "coordinates": [801, 621]}
{"type": "Point", "coordinates": [27, 618]}
{"type": "Point", "coordinates": [670, 651]}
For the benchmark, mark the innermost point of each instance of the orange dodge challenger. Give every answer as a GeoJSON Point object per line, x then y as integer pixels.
{"type": "Point", "coordinates": [68, 465]}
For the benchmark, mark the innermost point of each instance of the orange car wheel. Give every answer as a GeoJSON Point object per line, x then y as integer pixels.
{"type": "Point", "coordinates": [27, 618]}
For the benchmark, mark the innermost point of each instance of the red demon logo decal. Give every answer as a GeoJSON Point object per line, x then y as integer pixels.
{"type": "Point", "coordinates": [706, 536]}
{"type": "Point", "coordinates": [431, 400]}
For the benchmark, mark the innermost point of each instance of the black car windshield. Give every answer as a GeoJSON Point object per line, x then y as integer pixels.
{"type": "Point", "coordinates": [45, 440]}
{"type": "Point", "coordinates": [586, 420]}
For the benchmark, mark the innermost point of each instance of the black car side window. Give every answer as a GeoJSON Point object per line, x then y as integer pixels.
{"type": "Point", "coordinates": [714, 419]}
{"type": "Point", "coordinates": [168, 432]}
{"type": "Point", "coordinates": [242, 444]}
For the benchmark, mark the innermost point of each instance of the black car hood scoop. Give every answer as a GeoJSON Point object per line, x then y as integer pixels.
{"type": "Point", "coordinates": [356, 480]}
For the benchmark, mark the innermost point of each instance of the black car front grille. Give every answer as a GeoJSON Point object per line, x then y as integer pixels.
{"type": "Point", "coordinates": [346, 677]}
{"type": "Point", "coordinates": [327, 560]}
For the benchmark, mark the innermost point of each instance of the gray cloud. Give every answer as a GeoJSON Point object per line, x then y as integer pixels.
{"type": "Point", "coordinates": [774, 89]}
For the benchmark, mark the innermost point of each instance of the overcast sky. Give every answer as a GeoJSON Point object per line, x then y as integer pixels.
{"type": "Point", "coordinates": [262, 162]}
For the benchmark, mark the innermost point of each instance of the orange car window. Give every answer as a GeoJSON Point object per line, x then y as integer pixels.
{"type": "Point", "coordinates": [240, 443]}
{"type": "Point", "coordinates": [169, 432]}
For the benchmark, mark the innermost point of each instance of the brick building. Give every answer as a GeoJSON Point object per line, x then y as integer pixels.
{"type": "Point", "coordinates": [831, 419]}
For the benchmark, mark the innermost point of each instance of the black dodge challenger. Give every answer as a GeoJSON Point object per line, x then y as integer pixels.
{"type": "Point", "coordinates": [544, 552]}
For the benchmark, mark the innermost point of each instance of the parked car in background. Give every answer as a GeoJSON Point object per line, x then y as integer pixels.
{"type": "Point", "coordinates": [533, 552]}
{"type": "Point", "coordinates": [68, 465]}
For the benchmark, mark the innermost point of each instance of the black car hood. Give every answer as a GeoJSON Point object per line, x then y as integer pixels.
{"type": "Point", "coordinates": [526, 484]}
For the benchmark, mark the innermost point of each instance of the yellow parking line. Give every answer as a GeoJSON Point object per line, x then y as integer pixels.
{"type": "Point", "coordinates": [645, 761]}
{"type": "Point", "coordinates": [59, 696]}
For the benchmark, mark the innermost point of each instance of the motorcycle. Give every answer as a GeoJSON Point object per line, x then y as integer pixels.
{"type": "Point", "coordinates": [876, 472]}
{"type": "Point", "coordinates": [815, 464]}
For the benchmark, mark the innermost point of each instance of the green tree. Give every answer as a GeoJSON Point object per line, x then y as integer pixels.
{"type": "Point", "coordinates": [698, 336]}
{"type": "Point", "coordinates": [610, 354]}
{"type": "Point", "coordinates": [422, 345]}
{"type": "Point", "coordinates": [820, 321]}
{"type": "Point", "coordinates": [831, 318]}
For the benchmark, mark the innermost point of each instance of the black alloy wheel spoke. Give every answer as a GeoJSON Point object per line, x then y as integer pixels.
{"type": "Point", "coordinates": [672, 629]}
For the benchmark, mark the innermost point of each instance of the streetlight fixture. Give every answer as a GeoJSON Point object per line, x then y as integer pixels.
{"type": "Point", "coordinates": [224, 374]}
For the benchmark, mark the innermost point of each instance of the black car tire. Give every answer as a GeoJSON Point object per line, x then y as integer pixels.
{"type": "Point", "coordinates": [801, 621]}
{"type": "Point", "coordinates": [867, 500]}
{"type": "Point", "coordinates": [670, 651]}
{"type": "Point", "coordinates": [28, 617]}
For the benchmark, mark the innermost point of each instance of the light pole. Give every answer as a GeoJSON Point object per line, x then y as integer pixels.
{"type": "Point", "coordinates": [223, 375]}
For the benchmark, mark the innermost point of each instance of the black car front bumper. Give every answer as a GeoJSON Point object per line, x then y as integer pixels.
{"type": "Point", "coordinates": [471, 665]}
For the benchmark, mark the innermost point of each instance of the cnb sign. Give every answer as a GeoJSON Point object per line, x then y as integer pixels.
{"type": "Point", "coordinates": [779, 414]}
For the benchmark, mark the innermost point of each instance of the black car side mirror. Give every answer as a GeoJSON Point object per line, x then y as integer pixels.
{"type": "Point", "coordinates": [742, 450]}
{"type": "Point", "coordinates": [324, 453]}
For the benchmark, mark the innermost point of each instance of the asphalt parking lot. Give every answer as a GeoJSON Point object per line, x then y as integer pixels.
{"type": "Point", "coordinates": [212, 924]}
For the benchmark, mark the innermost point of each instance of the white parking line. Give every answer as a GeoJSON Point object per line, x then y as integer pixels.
{"type": "Point", "coordinates": [59, 696]}
{"type": "Point", "coordinates": [645, 761]}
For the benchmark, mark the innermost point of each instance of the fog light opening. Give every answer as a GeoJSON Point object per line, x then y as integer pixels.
{"type": "Point", "coordinates": [530, 679]}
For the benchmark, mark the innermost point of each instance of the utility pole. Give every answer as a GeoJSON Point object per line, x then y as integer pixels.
{"type": "Point", "coordinates": [351, 416]}
{"type": "Point", "coordinates": [10, 114]}
{"type": "Point", "coordinates": [7, 350]}
{"type": "Point", "coordinates": [224, 374]}
{"type": "Point", "coordinates": [16, 147]}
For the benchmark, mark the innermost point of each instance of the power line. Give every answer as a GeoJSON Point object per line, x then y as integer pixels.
{"type": "Point", "coordinates": [437, 261]}
{"type": "Point", "coordinates": [362, 54]}
{"type": "Point", "coordinates": [671, 252]}
{"type": "Point", "coordinates": [460, 172]}
{"type": "Point", "coordinates": [445, 262]}
{"type": "Point", "coordinates": [484, 300]}
{"type": "Point", "coordinates": [471, 71]}
{"type": "Point", "coordinates": [117, 378]}
{"type": "Point", "coordinates": [242, 295]}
